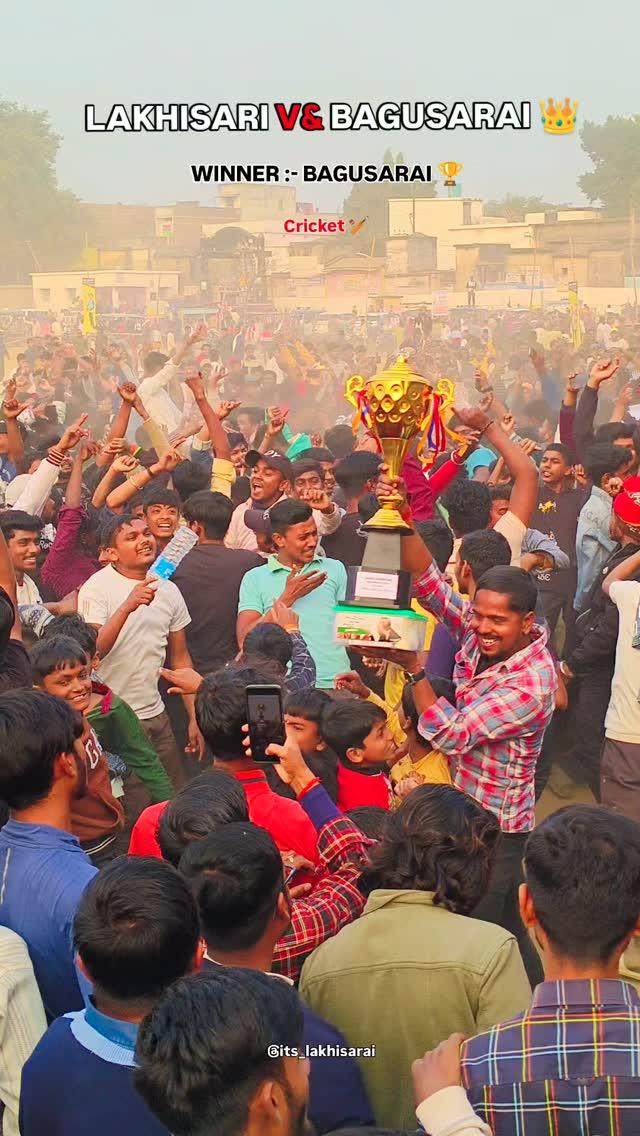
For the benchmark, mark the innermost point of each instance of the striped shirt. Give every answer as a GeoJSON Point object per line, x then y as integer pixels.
{"type": "Point", "coordinates": [492, 737]}
{"type": "Point", "coordinates": [568, 1066]}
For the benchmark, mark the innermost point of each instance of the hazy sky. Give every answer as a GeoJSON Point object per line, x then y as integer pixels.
{"type": "Point", "coordinates": [135, 51]}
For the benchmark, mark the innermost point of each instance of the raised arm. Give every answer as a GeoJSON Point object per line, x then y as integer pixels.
{"type": "Point", "coordinates": [522, 469]}
{"type": "Point", "coordinates": [137, 477]}
{"type": "Point", "coordinates": [588, 405]}
{"type": "Point", "coordinates": [12, 409]}
{"type": "Point", "coordinates": [217, 434]}
{"type": "Point", "coordinates": [120, 423]}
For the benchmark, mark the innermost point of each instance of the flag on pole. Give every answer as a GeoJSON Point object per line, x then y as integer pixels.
{"type": "Point", "coordinates": [89, 321]}
{"type": "Point", "coordinates": [574, 315]}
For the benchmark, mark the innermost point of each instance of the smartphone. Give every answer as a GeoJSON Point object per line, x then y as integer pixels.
{"type": "Point", "coordinates": [266, 720]}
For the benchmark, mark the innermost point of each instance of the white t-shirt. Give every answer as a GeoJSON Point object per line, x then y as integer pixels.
{"type": "Point", "coordinates": [131, 668]}
{"type": "Point", "coordinates": [513, 529]}
{"type": "Point", "coordinates": [622, 723]}
{"type": "Point", "coordinates": [27, 592]}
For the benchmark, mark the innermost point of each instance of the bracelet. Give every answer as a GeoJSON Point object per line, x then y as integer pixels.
{"type": "Point", "coordinates": [307, 789]}
{"type": "Point", "coordinates": [491, 422]}
{"type": "Point", "coordinates": [55, 455]}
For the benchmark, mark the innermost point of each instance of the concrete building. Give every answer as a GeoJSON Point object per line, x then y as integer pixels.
{"type": "Point", "coordinates": [146, 293]}
{"type": "Point", "coordinates": [434, 217]}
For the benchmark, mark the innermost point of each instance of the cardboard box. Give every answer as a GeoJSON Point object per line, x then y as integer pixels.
{"type": "Point", "coordinates": [380, 627]}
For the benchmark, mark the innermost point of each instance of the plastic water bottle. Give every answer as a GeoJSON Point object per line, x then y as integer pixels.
{"type": "Point", "coordinates": [180, 544]}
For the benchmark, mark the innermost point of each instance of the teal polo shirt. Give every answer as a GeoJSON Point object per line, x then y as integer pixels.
{"type": "Point", "coordinates": [261, 586]}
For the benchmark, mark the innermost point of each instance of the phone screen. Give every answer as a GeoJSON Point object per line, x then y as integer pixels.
{"type": "Point", "coordinates": [266, 720]}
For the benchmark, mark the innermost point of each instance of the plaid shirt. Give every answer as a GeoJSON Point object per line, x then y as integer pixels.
{"type": "Point", "coordinates": [493, 735]}
{"type": "Point", "coordinates": [568, 1066]}
{"type": "Point", "coordinates": [335, 901]}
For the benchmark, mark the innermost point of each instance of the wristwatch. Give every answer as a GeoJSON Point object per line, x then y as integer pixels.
{"type": "Point", "coordinates": [412, 679]}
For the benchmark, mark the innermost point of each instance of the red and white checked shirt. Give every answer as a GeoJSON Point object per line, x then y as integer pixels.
{"type": "Point", "coordinates": [493, 735]}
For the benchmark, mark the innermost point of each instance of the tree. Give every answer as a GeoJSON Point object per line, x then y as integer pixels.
{"type": "Point", "coordinates": [371, 199]}
{"type": "Point", "coordinates": [614, 149]}
{"type": "Point", "coordinates": [36, 217]}
{"type": "Point", "coordinates": [514, 206]}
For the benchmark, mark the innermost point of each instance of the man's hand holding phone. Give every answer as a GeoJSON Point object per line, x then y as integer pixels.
{"type": "Point", "coordinates": [291, 767]}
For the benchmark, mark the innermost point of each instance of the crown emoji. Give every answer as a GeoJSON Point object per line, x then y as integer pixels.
{"type": "Point", "coordinates": [558, 118]}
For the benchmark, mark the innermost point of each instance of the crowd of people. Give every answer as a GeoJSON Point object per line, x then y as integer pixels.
{"type": "Point", "coordinates": [369, 932]}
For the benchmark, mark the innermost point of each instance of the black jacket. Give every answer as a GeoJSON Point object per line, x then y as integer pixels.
{"type": "Point", "coordinates": [597, 630]}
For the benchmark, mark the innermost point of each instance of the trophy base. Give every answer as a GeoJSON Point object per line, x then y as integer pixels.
{"type": "Point", "coordinates": [387, 520]}
{"type": "Point", "coordinates": [379, 627]}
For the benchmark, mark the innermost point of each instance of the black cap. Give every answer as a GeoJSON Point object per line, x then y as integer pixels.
{"type": "Point", "coordinates": [273, 459]}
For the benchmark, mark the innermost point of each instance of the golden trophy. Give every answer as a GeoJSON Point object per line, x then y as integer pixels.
{"type": "Point", "coordinates": [450, 170]}
{"type": "Point", "coordinates": [394, 406]}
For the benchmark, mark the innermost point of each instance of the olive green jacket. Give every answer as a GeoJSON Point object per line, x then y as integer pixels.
{"type": "Point", "coordinates": [404, 976]}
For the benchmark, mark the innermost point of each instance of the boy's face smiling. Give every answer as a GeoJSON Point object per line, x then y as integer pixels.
{"type": "Point", "coordinates": [72, 682]}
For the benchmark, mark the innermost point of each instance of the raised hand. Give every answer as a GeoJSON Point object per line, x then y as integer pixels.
{"type": "Point", "coordinates": [352, 682]}
{"type": "Point", "coordinates": [124, 463]}
{"type": "Point", "coordinates": [73, 433]}
{"type": "Point", "coordinates": [142, 595]}
{"type": "Point", "coordinates": [169, 461]}
{"type": "Point", "coordinates": [298, 586]}
{"type": "Point", "coordinates": [128, 392]}
{"type": "Point", "coordinates": [603, 370]}
{"type": "Point", "coordinates": [226, 408]}
{"type": "Point", "coordinates": [13, 409]}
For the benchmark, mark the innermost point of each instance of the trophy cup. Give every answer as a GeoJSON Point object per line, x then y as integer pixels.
{"type": "Point", "coordinates": [395, 406]}
{"type": "Point", "coordinates": [450, 171]}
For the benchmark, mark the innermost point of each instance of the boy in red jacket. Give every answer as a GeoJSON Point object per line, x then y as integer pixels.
{"type": "Point", "coordinates": [358, 734]}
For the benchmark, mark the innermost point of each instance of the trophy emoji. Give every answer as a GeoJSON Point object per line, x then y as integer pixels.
{"type": "Point", "coordinates": [450, 171]}
{"type": "Point", "coordinates": [395, 406]}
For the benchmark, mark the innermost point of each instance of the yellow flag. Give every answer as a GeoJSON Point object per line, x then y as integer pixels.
{"type": "Point", "coordinates": [89, 314]}
{"type": "Point", "coordinates": [574, 315]}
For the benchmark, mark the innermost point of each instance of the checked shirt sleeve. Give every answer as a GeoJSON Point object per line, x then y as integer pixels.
{"type": "Point", "coordinates": [506, 713]}
{"type": "Point", "coordinates": [303, 669]}
{"type": "Point", "coordinates": [334, 903]}
{"type": "Point", "coordinates": [438, 597]}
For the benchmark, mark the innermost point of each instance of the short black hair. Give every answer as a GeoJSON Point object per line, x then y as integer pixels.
{"type": "Point", "coordinates": [136, 928]}
{"type": "Point", "coordinates": [203, 1051]}
{"type": "Point", "coordinates": [35, 729]}
{"type": "Point", "coordinates": [221, 709]}
{"type": "Point", "coordinates": [268, 641]}
{"type": "Point", "coordinates": [190, 477]}
{"type": "Point", "coordinates": [211, 510]}
{"type": "Point", "coordinates": [582, 868]}
{"type": "Point", "coordinates": [72, 626]}
{"type": "Point", "coordinates": [560, 448]}
{"type": "Point", "coordinates": [354, 471]}
{"type": "Point", "coordinates": [236, 875]}
{"type": "Point", "coordinates": [468, 506]}
{"type": "Point", "coordinates": [483, 550]}
{"type": "Point", "coordinates": [53, 653]}
{"type": "Point", "coordinates": [604, 458]}
{"type": "Point", "coordinates": [340, 440]}
{"type": "Point", "coordinates": [212, 799]}
{"type": "Point", "coordinates": [501, 492]}
{"type": "Point", "coordinates": [160, 495]}
{"type": "Point", "coordinates": [288, 513]}
{"type": "Point", "coordinates": [346, 723]}
{"type": "Point", "coordinates": [309, 703]}
{"type": "Point", "coordinates": [113, 525]}
{"type": "Point", "coordinates": [513, 582]}
{"type": "Point", "coordinates": [306, 465]}
{"type": "Point", "coordinates": [370, 819]}
{"type": "Point", "coordinates": [16, 520]}
{"type": "Point", "coordinates": [438, 840]}
{"type": "Point", "coordinates": [613, 432]}
{"type": "Point", "coordinates": [438, 538]}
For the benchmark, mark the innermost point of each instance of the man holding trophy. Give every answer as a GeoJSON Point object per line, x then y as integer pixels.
{"type": "Point", "coordinates": [504, 675]}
